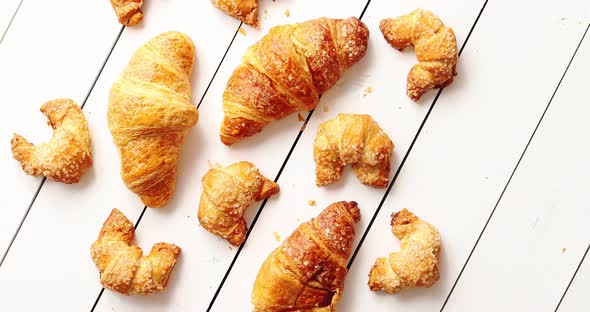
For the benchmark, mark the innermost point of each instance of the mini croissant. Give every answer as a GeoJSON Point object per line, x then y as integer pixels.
{"type": "Point", "coordinates": [436, 49]}
{"type": "Point", "coordinates": [307, 272]}
{"type": "Point", "coordinates": [287, 71]}
{"type": "Point", "coordinates": [128, 11]}
{"type": "Point", "coordinates": [352, 139]}
{"type": "Point", "coordinates": [150, 113]}
{"type": "Point", "coordinates": [227, 193]}
{"type": "Point", "coordinates": [67, 155]}
{"type": "Point", "coordinates": [244, 10]}
{"type": "Point", "coordinates": [416, 264]}
{"type": "Point", "coordinates": [122, 266]}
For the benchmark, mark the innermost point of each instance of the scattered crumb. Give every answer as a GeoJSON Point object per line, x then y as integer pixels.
{"type": "Point", "coordinates": [311, 202]}
{"type": "Point", "coordinates": [298, 220]}
{"type": "Point", "coordinates": [230, 247]}
{"type": "Point", "coordinates": [303, 126]}
{"type": "Point", "coordinates": [563, 250]}
{"type": "Point", "coordinates": [367, 91]}
{"type": "Point", "coordinates": [242, 31]}
{"type": "Point", "coordinates": [326, 108]}
{"type": "Point", "coordinates": [300, 117]}
{"type": "Point", "coordinates": [287, 14]}
{"type": "Point", "coordinates": [265, 15]}
{"type": "Point", "coordinates": [214, 165]}
{"type": "Point", "coordinates": [277, 236]}
{"type": "Point", "coordinates": [486, 178]}
{"type": "Point", "coordinates": [399, 107]}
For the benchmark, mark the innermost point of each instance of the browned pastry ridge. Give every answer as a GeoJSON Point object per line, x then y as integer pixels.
{"type": "Point", "coordinates": [435, 45]}
{"type": "Point", "coordinates": [123, 267]}
{"type": "Point", "coordinates": [244, 10]}
{"type": "Point", "coordinates": [149, 114]}
{"type": "Point", "coordinates": [67, 155]}
{"type": "Point", "coordinates": [307, 272]}
{"type": "Point", "coordinates": [352, 139]}
{"type": "Point", "coordinates": [287, 71]}
{"type": "Point", "coordinates": [227, 193]}
{"type": "Point", "coordinates": [416, 264]}
{"type": "Point", "coordinates": [128, 11]}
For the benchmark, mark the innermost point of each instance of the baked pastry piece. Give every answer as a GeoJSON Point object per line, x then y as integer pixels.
{"type": "Point", "coordinates": [435, 45]}
{"type": "Point", "coordinates": [352, 139]}
{"type": "Point", "coordinates": [287, 71]}
{"type": "Point", "coordinates": [150, 113]}
{"type": "Point", "coordinates": [122, 266]}
{"type": "Point", "coordinates": [67, 155]}
{"type": "Point", "coordinates": [307, 272]}
{"type": "Point", "coordinates": [227, 193]}
{"type": "Point", "coordinates": [128, 11]}
{"type": "Point", "coordinates": [416, 264]}
{"type": "Point", "coordinates": [244, 10]}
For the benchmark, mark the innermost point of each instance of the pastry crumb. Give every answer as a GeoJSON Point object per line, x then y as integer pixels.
{"type": "Point", "coordinates": [311, 202]}
{"type": "Point", "coordinates": [326, 109]}
{"type": "Point", "coordinates": [300, 117]}
{"type": "Point", "coordinates": [277, 236]}
{"type": "Point", "coordinates": [399, 107]}
{"type": "Point", "coordinates": [287, 13]}
{"type": "Point", "coordinates": [563, 250]}
{"type": "Point", "coordinates": [242, 31]}
{"type": "Point", "coordinates": [368, 90]}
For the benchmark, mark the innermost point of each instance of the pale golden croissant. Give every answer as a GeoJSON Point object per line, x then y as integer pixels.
{"type": "Point", "coordinates": [416, 264]}
{"type": "Point", "coordinates": [352, 139]}
{"type": "Point", "coordinates": [287, 71]}
{"type": "Point", "coordinates": [150, 113]}
{"type": "Point", "coordinates": [307, 272]}
{"type": "Point", "coordinates": [123, 268]}
{"type": "Point", "coordinates": [244, 10]}
{"type": "Point", "coordinates": [227, 193]}
{"type": "Point", "coordinates": [67, 155]}
{"type": "Point", "coordinates": [128, 11]}
{"type": "Point", "coordinates": [436, 49]}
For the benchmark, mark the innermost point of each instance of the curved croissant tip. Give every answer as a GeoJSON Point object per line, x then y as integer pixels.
{"type": "Point", "coordinates": [354, 211]}
{"type": "Point", "coordinates": [401, 217]}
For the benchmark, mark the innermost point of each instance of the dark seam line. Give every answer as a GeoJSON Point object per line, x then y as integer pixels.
{"type": "Point", "coordinates": [198, 105]}
{"type": "Point", "coordinates": [45, 179]}
{"type": "Point", "coordinates": [572, 279]}
{"type": "Point", "coordinates": [239, 251]}
{"type": "Point", "coordinates": [394, 179]}
{"type": "Point", "coordinates": [512, 174]}
{"type": "Point", "coordinates": [10, 22]}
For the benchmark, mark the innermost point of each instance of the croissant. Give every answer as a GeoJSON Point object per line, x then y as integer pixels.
{"type": "Point", "coordinates": [436, 49]}
{"type": "Point", "coordinates": [287, 70]}
{"type": "Point", "coordinates": [122, 267]}
{"type": "Point", "coordinates": [227, 193]}
{"type": "Point", "coordinates": [67, 155]}
{"type": "Point", "coordinates": [150, 113]}
{"type": "Point", "coordinates": [307, 272]}
{"type": "Point", "coordinates": [244, 10]}
{"type": "Point", "coordinates": [128, 11]}
{"type": "Point", "coordinates": [352, 139]}
{"type": "Point", "coordinates": [416, 264]}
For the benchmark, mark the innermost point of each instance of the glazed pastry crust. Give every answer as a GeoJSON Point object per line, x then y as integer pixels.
{"type": "Point", "coordinates": [435, 45]}
{"type": "Point", "coordinates": [150, 113]}
{"type": "Point", "coordinates": [227, 193]}
{"type": "Point", "coordinates": [244, 10]}
{"type": "Point", "coordinates": [352, 139]}
{"type": "Point", "coordinates": [67, 155]}
{"type": "Point", "coordinates": [122, 266]}
{"type": "Point", "coordinates": [287, 71]}
{"type": "Point", "coordinates": [128, 11]}
{"type": "Point", "coordinates": [416, 264]}
{"type": "Point", "coordinates": [307, 272]}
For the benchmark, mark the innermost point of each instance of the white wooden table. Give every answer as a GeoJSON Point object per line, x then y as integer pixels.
{"type": "Point", "coordinates": [498, 161]}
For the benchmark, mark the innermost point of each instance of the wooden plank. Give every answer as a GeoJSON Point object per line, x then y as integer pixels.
{"type": "Point", "coordinates": [384, 70]}
{"type": "Point", "coordinates": [469, 147]}
{"type": "Point", "coordinates": [51, 252]}
{"type": "Point", "coordinates": [577, 293]}
{"type": "Point", "coordinates": [206, 257]}
{"type": "Point", "coordinates": [539, 230]}
{"type": "Point", "coordinates": [7, 10]}
{"type": "Point", "coordinates": [44, 57]}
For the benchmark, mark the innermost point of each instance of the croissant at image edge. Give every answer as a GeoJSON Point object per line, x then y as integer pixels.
{"type": "Point", "coordinates": [287, 71]}
{"type": "Point", "coordinates": [150, 113]}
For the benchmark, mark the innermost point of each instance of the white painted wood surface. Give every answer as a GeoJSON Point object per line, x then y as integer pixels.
{"type": "Point", "coordinates": [453, 175]}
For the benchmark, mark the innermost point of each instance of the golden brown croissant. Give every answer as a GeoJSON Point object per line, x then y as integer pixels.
{"type": "Point", "coordinates": [416, 264]}
{"type": "Point", "coordinates": [352, 139]}
{"type": "Point", "coordinates": [123, 268]}
{"type": "Point", "coordinates": [227, 193]}
{"type": "Point", "coordinates": [244, 10]}
{"type": "Point", "coordinates": [287, 70]}
{"type": "Point", "coordinates": [436, 49]}
{"type": "Point", "coordinates": [150, 112]}
{"type": "Point", "coordinates": [307, 272]}
{"type": "Point", "coordinates": [128, 11]}
{"type": "Point", "coordinates": [67, 155]}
